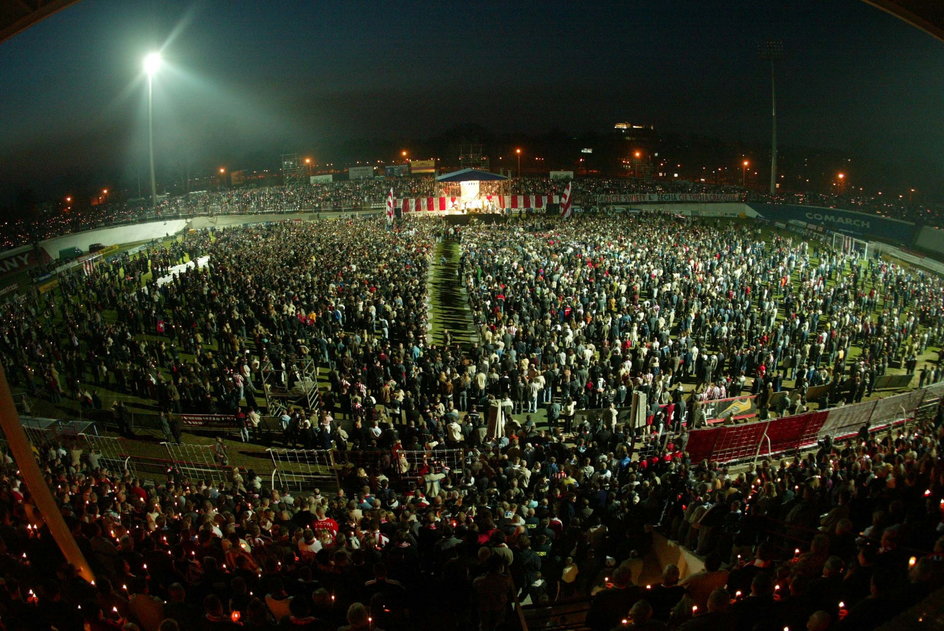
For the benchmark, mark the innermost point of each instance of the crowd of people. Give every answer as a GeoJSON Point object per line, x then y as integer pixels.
{"type": "Point", "coordinates": [364, 193]}
{"type": "Point", "coordinates": [590, 311]}
{"type": "Point", "coordinates": [289, 291]}
{"type": "Point", "coordinates": [570, 315]}
{"type": "Point", "coordinates": [316, 197]}
{"type": "Point", "coordinates": [844, 538]}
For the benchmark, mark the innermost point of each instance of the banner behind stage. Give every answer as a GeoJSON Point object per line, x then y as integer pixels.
{"type": "Point", "coordinates": [470, 191]}
{"type": "Point", "coordinates": [434, 204]}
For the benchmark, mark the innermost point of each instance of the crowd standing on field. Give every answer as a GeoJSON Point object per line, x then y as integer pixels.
{"type": "Point", "coordinates": [570, 315]}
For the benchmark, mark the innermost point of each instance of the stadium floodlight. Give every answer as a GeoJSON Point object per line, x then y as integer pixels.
{"type": "Point", "coordinates": [152, 63]}
{"type": "Point", "coordinates": [772, 50]}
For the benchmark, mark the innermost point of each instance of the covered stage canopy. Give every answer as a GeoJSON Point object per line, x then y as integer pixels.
{"type": "Point", "coordinates": [465, 190]}
{"type": "Point", "coordinates": [470, 175]}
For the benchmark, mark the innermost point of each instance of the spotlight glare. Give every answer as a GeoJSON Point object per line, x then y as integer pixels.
{"type": "Point", "coordinates": [152, 63]}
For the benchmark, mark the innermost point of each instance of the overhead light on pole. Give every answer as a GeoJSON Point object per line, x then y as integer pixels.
{"type": "Point", "coordinates": [152, 63]}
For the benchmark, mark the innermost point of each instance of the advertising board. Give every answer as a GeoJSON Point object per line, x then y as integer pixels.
{"type": "Point", "coordinates": [360, 173]}
{"type": "Point", "coordinates": [422, 166]}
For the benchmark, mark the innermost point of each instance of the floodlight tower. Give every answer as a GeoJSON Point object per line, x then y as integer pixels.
{"type": "Point", "coordinates": [152, 63]}
{"type": "Point", "coordinates": [772, 50]}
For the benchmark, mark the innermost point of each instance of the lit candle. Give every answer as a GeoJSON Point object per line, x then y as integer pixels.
{"type": "Point", "coordinates": [234, 616]}
{"type": "Point", "coordinates": [912, 561]}
{"type": "Point", "coordinates": [694, 609]}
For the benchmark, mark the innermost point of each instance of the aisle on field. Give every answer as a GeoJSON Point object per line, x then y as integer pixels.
{"type": "Point", "coordinates": [449, 313]}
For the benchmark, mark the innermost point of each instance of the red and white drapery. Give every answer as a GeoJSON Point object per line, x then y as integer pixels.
{"type": "Point", "coordinates": [434, 204]}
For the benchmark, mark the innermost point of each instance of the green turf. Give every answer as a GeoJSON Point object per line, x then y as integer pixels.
{"type": "Point", "coordinates": [449, 301]}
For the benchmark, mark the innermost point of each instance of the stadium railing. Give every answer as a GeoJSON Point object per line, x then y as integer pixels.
{"type": "Point", "coordinates": [299, 468]}
{"type": "Point", "coordinates": [757, 439]}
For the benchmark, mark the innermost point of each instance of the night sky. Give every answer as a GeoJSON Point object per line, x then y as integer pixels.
{"type": "Point", "coordinates": [245, 81]}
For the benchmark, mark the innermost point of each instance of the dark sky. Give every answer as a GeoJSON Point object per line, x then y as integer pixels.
{"type": "Point", "coordinates": [246, 80]}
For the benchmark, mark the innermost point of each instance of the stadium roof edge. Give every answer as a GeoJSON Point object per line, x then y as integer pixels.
{"type": "Point", "coordinates": [927, 15]}
{"type": "Point", "coordinates": [16, 15]}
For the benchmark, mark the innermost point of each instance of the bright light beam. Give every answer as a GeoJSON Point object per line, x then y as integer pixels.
{"type": "Point", "coordinates": [152, 63]}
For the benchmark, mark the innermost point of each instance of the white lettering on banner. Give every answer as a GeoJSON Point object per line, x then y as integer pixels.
{"type": "Point", "coordinates": [15, 262]}
{"type": "Point", "coordinates": [846, 221]}
{"type": "Point", "coordinates": [632, 198]}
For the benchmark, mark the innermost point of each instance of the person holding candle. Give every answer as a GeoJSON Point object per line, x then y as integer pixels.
{"type": "Point", "coordinates": [666, 594]}
{"type": "Point", "coordinates": [880, 606]}
{"type": "Point", "coordinates": [640, 618]}
{"type": "Point", "coordinates": [610, 605]}
{"type": "Point", "coordinates": [759, 608]}
{"type": "Point", "coordinates": [717, 618]}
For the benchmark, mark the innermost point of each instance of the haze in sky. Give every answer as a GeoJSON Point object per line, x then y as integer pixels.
{"type": "Point", "coordinates": [245, 81]}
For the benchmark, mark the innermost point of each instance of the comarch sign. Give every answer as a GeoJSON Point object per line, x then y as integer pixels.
{"type": "Point", "coordinates": [816, 216]}
{"type": "Point", "coordinates": [848, 221]}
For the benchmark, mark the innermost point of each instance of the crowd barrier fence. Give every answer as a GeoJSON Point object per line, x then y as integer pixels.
{"type": "Point", "coordinates": [298, 469]}
{"type": "Point", "coordinates": [291, 469]}
{"type": "Point", "coordinates": [731, 443]}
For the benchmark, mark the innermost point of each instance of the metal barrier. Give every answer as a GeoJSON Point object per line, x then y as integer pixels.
{"type": "Point", "coordinates": [451, 458]}
{"type": "Point", "coordinates": [292, 469]}
{"type": "Point", "coordinates": [303, 469]}
{"type": "Point", "coordinates": [110, 451]}
{"type": "Point", "coordinates": [198, 462]}
{"type": "Point", "coordinates": [731, 443]}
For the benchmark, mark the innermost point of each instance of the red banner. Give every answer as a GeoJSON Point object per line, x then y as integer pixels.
{"type": "Point", "coordinates": [792, 432]}
{"type": "Point", "coordinates": [762, 438]}
{"type": "Point", "coordinates": [701, 443]}
{"type": "Point", "coordinates": [515, 202]}
{"type": "Point", "coordinates": [739, 442]}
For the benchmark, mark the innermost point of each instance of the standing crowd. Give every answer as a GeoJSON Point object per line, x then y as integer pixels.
{"type": "Point", "coordinates": [571, 316]}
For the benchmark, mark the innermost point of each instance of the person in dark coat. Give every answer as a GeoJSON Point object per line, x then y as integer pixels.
{"type": "Point", "coordinates": [611, 605]}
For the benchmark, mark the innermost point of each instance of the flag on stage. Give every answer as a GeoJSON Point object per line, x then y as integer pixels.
{"type": "Point", "coordinates": [390, 206]}
{"type": "Point", "coordinates": [566, 205]}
